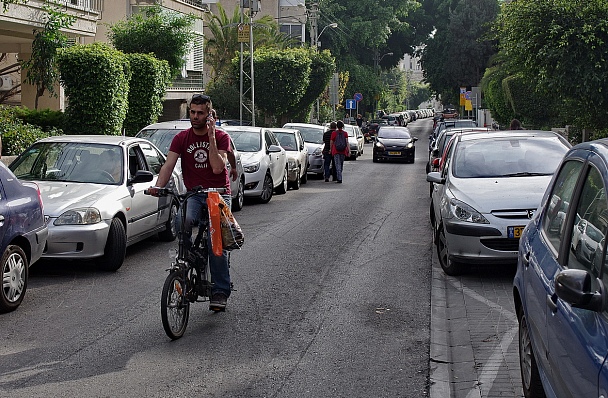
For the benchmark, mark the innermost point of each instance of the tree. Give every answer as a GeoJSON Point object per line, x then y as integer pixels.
{"type": "Point", "coordinates": [560, 45]}
{"type": "Point", "coordinates": [166, 35]}
{"type": "Point", "coordinates": [41, 67]}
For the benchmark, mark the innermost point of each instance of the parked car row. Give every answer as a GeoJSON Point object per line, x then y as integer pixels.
{"type": "Point", "coordinates": [528, 197]}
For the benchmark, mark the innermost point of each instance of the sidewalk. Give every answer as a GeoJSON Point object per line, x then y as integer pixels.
{"type": "Point", "coordinates": [474, 346]}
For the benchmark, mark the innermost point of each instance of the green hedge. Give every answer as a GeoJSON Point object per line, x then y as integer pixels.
{"type": "Point", "coordinates": [149, 80]}
{"type": "Point", "coordinates": [96, 80]}
{"type": "Point", "coordinates": [17, 135]}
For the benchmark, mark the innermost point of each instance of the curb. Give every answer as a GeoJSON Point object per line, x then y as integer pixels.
{"type": "Point", "coordinates": [439, 361]}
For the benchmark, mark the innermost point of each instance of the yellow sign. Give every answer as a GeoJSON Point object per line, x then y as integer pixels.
{"type": "Point", "coordinates": [243, 33]}
{"type": "Point", "coordinates": [468, 105]}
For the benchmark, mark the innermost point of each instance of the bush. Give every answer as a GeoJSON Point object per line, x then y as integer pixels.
{"type": "Point", "coordinates": [45, 119]}
{"type": "Point", "coordinates": [17, 136]}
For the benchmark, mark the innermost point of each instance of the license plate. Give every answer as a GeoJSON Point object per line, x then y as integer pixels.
{"type": "Point", "coordinates": [515, 232]}
{"type": "Point", "coordinates": [394, 153]}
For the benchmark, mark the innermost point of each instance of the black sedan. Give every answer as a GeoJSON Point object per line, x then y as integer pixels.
{"type": "Point", "coordinates": [394, 143]}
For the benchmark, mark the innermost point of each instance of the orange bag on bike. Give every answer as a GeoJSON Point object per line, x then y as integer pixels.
{"type": "Point", "coordinates": [215, 229]}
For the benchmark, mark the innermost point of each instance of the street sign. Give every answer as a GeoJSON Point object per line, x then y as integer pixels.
{"type": "Point", "coordinates": [351, 104]}
{"type": "Point", "coordinates": [358, 97]}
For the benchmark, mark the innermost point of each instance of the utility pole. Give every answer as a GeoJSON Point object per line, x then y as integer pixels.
{"type": "Point", "coordinates": [254, 7]}
{"type": "Point", "coordinates": [314, 18]}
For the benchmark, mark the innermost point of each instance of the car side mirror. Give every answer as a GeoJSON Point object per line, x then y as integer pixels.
{"type": "Point", "coordinates": [574, 287]}
{"type": "Point", "coordinates": [414, 139]}
{"type": "Point", "coordinates": [141, 176]}
{"type": "Point", "coordinates": [274, 149]}
{"type": "Point", "coordinates": [435, 177]}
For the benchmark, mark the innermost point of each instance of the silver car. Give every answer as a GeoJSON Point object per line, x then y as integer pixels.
{"type": "Point", "coordinates": [313, 136]}
{"type": "Point", "coordinates": [92, 188]}
{"type": "Point", "coordinates": [488, 188]}
{"type": "Point", "coordinates": [161, 135]}
{"type": "Point", "coordinates": [297, 155]}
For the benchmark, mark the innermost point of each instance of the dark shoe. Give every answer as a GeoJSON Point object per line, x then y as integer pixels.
{"type": "Point", "coordinates": [327, 180]}
{"type": "Point", "coordinates": [218, 302]}
{"type": "Point", "coordinates": [339, 181]}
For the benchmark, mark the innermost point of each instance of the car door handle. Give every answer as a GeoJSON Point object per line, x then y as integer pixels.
{"type": "Point", "coordinates": [526, 259]}
{"type": "Point", "coordinates": [552, 302]}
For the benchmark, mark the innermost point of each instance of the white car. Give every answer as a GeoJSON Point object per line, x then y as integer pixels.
{"type": "Point", "coordinates": [297, 155]}
{"type": "Point", "coordinates": [313, 137]}
{"type": "Point", "coordinates": [264, 161]}
{"type": "Point", "coordinates": [161, 134]}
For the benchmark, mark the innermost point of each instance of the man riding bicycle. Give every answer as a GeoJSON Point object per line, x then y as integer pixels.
{"type": "Point", "coordinates": [203, 149]}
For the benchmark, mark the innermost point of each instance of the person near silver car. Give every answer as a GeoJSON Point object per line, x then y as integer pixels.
{"type": "Point", "coordinates": [328, 158]}
{"type": "Point", "coordinates": [339, 155]}
{"type": "Point", "coordinates": [203, 149]}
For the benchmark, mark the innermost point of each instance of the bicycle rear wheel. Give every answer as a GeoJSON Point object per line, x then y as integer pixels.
{"type": "Point", "coordinates": [175, 308]}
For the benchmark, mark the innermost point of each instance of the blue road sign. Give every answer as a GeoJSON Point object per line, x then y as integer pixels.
{"type": "Point", "coordinates": [351, 104]}
{"type": "Point", "coordinates": [358, 97]}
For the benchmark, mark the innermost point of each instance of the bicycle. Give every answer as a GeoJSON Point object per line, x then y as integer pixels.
{"type": "Point", "coordinates": [189, 277]}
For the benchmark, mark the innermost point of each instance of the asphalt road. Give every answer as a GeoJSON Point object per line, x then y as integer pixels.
{"type": "Point", "coordinates": [332, 300]}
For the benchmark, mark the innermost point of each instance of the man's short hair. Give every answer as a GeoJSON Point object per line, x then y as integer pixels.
{"type": "Point", "coordinates": [200, 99]}
{"type": "Point", "coordinates": [333, 126]}
{"type": "Point", "coordinates": [340, 124]}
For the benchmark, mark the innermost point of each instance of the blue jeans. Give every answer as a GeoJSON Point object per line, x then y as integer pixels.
{"type": "Point", "coordinates": [218, 265]}
{"type": "Point", "coordinates": [338, 164]}
{"type": "Point", "coordinates": [327, 162]}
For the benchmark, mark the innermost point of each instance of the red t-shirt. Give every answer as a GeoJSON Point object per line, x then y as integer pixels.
{"type": "Point", "coordinates": [194, 153]}
{"type": "Point", "coordinates": [346, 151]}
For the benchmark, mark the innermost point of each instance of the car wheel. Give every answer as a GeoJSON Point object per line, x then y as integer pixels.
{"type": "Point", "coordinates": [432, 216]}
{"type": "Point", "coordinates": [116, 247]}
{"type": "Point", "coordinates": [530, 377]}
{"type": "Point", "coordinates": [295, 185]}
{"type": "Point", "coordinates": [375, 159]}
{"type": "Point", "coordinates": [281, 189]}
{"type": "Point", "coordinates": [428, 167]}
{"type": "Point", "coordinates": [305, 175]}
{"type": "Point", "coordinates": [14, 278]}
{"type": "Point", "coordinates": [170, 232]}
{"type": "Point", "coordinates": [266, 189]}
{"type": "Point", "coordinates": [237, 203]}
{"type": "Point", "coordinates": [430, 189]}
{"type": "Point", "coordinates": [450, 267]}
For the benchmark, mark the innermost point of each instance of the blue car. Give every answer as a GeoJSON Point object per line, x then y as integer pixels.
{"type": "Point", "coordinates": [560, 288]}
{"type": "Point", "coordinates": [23, 234]}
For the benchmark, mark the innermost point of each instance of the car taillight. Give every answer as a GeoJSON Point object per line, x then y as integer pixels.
{"type": "Point", "coordinates": [39, 197]}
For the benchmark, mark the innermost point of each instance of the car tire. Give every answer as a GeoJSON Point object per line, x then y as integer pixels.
{"type": "Point", "coordinates": [239, 200]}
{"type": "Point", "coordinates": [281, 189]}
{"type": "Point", "coordinates": [428, 167]}
{"type": "Point", "coordinates": [115, 249]}
{"type": "Point", "coordinates": [170, 232]}
{"type": "Point", "coordinates": [375, 159]}
{"type": "Point", "coordinates": [530, 377]}
{"type": "Point", "coordinates": [295, 185]}
{"type": "Point", "coordinates": [304, 178]}
{"type": "Point", "coordinates": [450, 267]}
{"type": "Point", "coordinates": [267, 189]}
{"type": "Point", "coordinates": [15, 270]}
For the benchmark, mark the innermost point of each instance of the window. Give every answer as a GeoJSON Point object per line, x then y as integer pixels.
{"type": "Point", "coordinates": [559, 202]}
{"type": "Point", "coordinates": [293, 30]}
{"type": "Point", "coordinates": [154, 159]}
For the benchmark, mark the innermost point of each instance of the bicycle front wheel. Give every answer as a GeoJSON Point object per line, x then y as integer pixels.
{"type": "Point", "coordinates": [175, 308]}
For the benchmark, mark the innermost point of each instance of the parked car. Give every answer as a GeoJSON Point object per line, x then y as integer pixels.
{"type": "Point", "coordinates": [313, 137]}
{"type": "Point", "coordinates": [161, 135]}
{"type": "Point", "coordinates": [23, 235]}
{"type": "Point", "coordinates": [394, 143]}
{"type": "Point", "coordinates": [297, 155]}
{"type": "Point", "coordinates": [264, 161]}
{"type": "Point", "coordinates": [442, 140]}
{"type": "Point", "coordinates": [488, 188]}
{"type": "Point", "coordinates": [373, 127]}
{"type": "Point", "coordinates": [561, 295]}
{"type": "Point", "coordinates": [92, 187]}
{"type": "Point", "coordinates": [445, 124]}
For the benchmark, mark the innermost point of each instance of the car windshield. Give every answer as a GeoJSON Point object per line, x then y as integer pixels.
{"type": "Point", "coordinates": [161, 138]}
{"type": "Point", "coordinates": [70, 162]}
{"type": "Point", "coordinates": [394, 133]}
{"type": "Point", "coordinates": [507, 157]}
{"type": "Point", "coordinates": [287, 141]}
{"type": "Point", "coordinates": [246, 141]}
{"type": "Point", "coordinates": [311, 134]}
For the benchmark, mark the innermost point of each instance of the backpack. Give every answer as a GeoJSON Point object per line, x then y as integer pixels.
{"type": "Point", "coordinates": [340, 141]}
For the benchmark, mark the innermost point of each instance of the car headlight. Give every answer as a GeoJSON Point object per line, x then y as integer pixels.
{"type": "Point", "coordinates": [318, 151]}
{"type": "Point", "coordinates": [380, 145]}
{"type": "Point", "coordinates": [464, 212]}
{"type": "Point", "coordinates": [251, 168]}
{"type": "Point", "coordinates": [88, 215]}
{"type": "Point", "coordinates": [410, 145]}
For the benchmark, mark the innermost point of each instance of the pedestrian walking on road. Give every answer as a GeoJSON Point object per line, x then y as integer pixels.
{"type": "Point", "coordinates": [339, 148]}
{"type": "Point", "coordinates": [328, 159]}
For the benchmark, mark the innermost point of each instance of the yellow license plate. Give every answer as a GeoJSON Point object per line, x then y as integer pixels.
{"type": "Point", "coordinates": [394, 153]}
{"type": "Point", "coordinates": [515, 232]}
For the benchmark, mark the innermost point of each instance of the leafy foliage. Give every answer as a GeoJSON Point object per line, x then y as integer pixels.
{"type": "Point", "coordinates": [41, 67]}
{"type": "Point", "coordinates": [17, 135]}
{"type": "Point", "coordinates": [166, 35]}
{"type": "Point", "coordinates": [96, 80]}
{"type": "Point", "coordinates": [149, 80]}
{"type": "Point", "coordinates": [561, 46]}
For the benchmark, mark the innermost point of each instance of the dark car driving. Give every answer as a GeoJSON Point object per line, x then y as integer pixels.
{"type": "Point", "coordinates": [394, 143]}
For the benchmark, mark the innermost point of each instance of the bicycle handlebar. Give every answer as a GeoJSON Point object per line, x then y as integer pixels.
{"type": "Point", "coordinates": [196, 190]}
